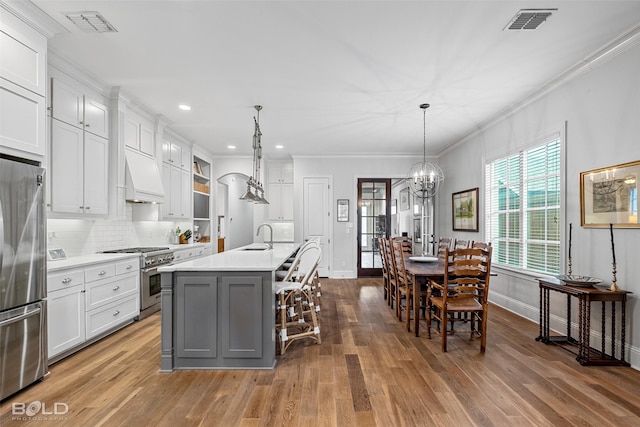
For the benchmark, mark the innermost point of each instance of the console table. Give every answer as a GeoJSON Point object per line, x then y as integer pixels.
{"type": "Point", "coordinates": [586, 355]}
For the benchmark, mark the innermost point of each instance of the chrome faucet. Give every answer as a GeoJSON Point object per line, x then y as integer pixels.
{"type": "Point", "coordinates": [271, 234]}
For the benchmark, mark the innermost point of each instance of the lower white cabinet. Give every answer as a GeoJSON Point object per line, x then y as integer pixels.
{"type": "Point", "coordinates": [182, 255]}
{"type": "Point", "coordinates": [87, 301]}
{"type": "Point", "coordinates": [65, 322]}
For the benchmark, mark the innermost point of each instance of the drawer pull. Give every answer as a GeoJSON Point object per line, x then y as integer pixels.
{"type": "Point", "coordinates": [116, 313]}
{"type": "Point", "coordinates": [116, 288]}
{"type": "Point", "coordinates": [102, 273]}
{"type": "Point", "coordinates": [129, 267]}
{"type": "Point", "coordinates": [66, 280]}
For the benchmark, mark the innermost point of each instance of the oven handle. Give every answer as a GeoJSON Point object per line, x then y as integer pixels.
{"type": "Point", "coordinates": [149, 270]}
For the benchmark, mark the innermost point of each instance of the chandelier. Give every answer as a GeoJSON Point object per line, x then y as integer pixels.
{"type": "Point", "coordinates": [425, 177]}
{"type": "Point", "coordinates": [255, 192]}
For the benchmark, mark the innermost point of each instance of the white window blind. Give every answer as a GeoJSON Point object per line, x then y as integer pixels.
{"type": "Point", "coordinates": [523, 208]}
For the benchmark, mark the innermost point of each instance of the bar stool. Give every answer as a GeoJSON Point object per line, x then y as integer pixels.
{"type": "Point", "coordinates": [296, 312]}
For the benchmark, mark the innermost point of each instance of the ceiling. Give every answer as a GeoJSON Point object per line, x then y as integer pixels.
{"type": "Point", "coordinates": [333, 77]}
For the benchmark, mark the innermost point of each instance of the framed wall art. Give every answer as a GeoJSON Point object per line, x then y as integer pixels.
{"type": "Point", "coordinates": [465, 210]}
{"type": "Point", "coordinates": [343, 210]}
{"type": "Point", "coordinates": [404, 199]}
{"type": "Point", "coordinates": [610, 196]}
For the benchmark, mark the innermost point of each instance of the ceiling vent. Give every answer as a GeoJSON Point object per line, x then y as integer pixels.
{"type": "Point", "coordinates": [529, 19]}
{"type": "Point", "coordinates": [91, 22]}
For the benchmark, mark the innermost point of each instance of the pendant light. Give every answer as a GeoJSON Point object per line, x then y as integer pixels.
{"type": "Point", "coordinates": [255, 191]}
{"type": "Point", "coordinates": [424, 179]}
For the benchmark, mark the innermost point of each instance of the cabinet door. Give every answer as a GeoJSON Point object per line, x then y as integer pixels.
{"type": "Point", "coordinates": [241, 317]}
{"type": "Point", "coordinates": [286, 201]}
{"type": "Point", "coordinates": [67, 103]}
{"type": "Point", "coordinates": [66, 171]}
{"type": "Point", "coordinates": [175, 195]}
{"type": "Point", "coordinates": [22, 119]}
{"type": "Point", "coordinates": [196, 305]}
{"type": "Point", "coordinates": [96, 117]}
{"type": "Point", "coordinates": [166, 183]}
{"type": "Point", "coordinates": [166, 150]}
{"type": "Point", "coordinates": [96, 161]}
{"type": "Point", "coordinates": [146, 139]}
{"type": "Point", "coordinates": [186, 161]}
{"type": "Point", "coordinates": [132, 132]}
{"type": "Point", "coordinates": [65, 319]}
{"type": "Point", "coordinates": [274, 195]}
{"type": "Point", "coordinates": [185, 193]}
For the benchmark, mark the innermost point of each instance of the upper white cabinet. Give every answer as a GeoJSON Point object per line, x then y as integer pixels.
{"type": "Point", "coordinates": [78, 170]}
{"type": "Point", "coordinates": [139, 134]}
{"type": "Point", "coordinates": [177, 198]}
{"type": "Point", "coordinates": [22, 88]}
{"type": "Point", "coordinates": [70, 104]}
{"type": "Point", "coordinates": [176, 154]}
{"type": "Point", "coordinates": [280, 191]}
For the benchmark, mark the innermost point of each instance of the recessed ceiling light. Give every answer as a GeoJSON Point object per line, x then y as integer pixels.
{"type": "Point", "coordinates": [231, 147]}
{"type": "Point", "coordinates": [279, 147]}
{"type": "Point", "coordinates": [184, 107]}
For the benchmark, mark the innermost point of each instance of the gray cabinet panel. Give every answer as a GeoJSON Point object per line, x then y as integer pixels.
{"type": "Point", "coordinates": [241, 317]}
{"type": "Point", "coordinates": [196, 327]}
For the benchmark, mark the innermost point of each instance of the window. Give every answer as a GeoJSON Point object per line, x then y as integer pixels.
{"type": "Point", "coordinates": [523, 208]}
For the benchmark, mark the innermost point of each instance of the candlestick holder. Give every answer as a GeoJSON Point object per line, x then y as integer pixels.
{"type": "Point", "coordinates": [614, 286]}
{"type": "Point", "coordinates": [569, 267]}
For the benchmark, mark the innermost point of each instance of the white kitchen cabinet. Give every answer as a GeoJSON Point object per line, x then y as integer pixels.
{"type": "Point", "coordinates": [280, 198]}
{"type": "Point", "coordinates": [198, 251]}
{"type": "Point", "coordinates": [72, 105]}
{"type": "Point", "coordinates": [84, 302]}
{"type": "Point", "coordinates": [138, 134]}
{"type": "Point", "coordinates": [177, 185]}
{"type": "Point", "coordinates": [176, 154]}
{"type": "Point", "coordinates": [22, 88]}
{"type": "Point", "coordinates": [280, 173]}
{"type": "Point", "coordinates": [280, 191]}
{"type": "Point", "coordinates": [78, 170]}
{"type": "Point", "coordinates": [65, 319]}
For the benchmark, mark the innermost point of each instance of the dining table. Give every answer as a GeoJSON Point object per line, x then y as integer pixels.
{"type": "Point", "coordinates": [420, 272]}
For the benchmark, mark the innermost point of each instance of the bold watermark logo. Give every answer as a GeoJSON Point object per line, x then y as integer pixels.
{"type": "Point", "coordinates": [38, 410]}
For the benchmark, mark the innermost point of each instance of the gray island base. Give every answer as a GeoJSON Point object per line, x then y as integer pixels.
{"type": "Point", "coordinates": [218, 312]}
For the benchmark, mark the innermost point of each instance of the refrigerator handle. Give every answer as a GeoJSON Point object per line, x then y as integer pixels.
{"type": "Point", "coordinates": [21, 317]}
{"type": "Point", "coordinates": [1, 235]}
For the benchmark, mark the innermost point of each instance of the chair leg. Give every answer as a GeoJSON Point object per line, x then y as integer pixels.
{"type": "Point", "coordinates": [443, 329]}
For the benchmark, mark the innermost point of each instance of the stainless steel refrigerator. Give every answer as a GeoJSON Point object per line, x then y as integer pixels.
{"type": "Point", "coordinates": [23, 317]}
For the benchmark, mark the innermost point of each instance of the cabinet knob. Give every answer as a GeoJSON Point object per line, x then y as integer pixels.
{"type": "Point", "coordinates": [88, 125]}
{"type": "Point", "coordinates": [81, 123]}
{"type": "Point", "coordinates": [129, 267]}
{"type": "Point", "coordinates": [66, 280]}
{"type": "Point", "coordinates": [116, 288]}
{"type": "Point", "coordinates": [88, 207]}
{"type": "Point", "coordinates": [102, 273]}
{"type": "Point", "coordinates": [116, 313]}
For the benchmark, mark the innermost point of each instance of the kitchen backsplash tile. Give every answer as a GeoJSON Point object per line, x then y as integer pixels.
{"type": "Point", "coordinates": [87, 236]}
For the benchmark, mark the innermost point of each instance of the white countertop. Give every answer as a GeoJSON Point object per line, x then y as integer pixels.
{"type": "Point", "coordinates": [238, 259]}
{"type": "Point", "coordinates": [83, 260]}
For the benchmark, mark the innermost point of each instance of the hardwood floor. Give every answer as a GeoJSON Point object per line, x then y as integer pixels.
{"type": "Point", "coordinates": [368, 371]}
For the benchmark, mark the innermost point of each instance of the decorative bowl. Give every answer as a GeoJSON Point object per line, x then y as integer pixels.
{"type": "Point", "coordinates": [423, 258]}
{"type": "Point", "coordinates": [575, 280]}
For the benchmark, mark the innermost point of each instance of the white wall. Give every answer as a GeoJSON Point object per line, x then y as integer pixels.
{"type": "Point", "coordinates": [344, 172]}
{"type": "Point", "coordinates": [601, 112]}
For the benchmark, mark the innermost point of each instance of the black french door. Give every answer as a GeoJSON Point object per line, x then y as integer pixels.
{"type": "Point", "coordinates": [374, 220]}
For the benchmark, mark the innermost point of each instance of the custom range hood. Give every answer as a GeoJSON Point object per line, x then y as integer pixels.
{"type": "Point", "coordinates": [142, 180]}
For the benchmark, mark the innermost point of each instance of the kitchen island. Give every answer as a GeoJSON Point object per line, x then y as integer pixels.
{"type": "Point", "coordinates": [218, 311]}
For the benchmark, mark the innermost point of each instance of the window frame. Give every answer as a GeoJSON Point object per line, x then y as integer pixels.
{"type": "Point", "coordinates": [491, 202]}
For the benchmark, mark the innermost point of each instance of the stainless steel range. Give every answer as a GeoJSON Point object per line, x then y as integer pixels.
{"type": "Point", "coordinates": [150, 259]}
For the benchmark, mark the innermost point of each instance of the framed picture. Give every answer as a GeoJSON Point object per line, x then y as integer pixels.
{"type": "Point", "coordinates": [465, 210]}
{"type": "Point", "coordinates": [417, 230]}
{"type": "Point", "coordinates": [610, 196]}
{"type": "Point", "coordinates": [343, 210]}
{"type": "Point", "coordinates": [404, 199]}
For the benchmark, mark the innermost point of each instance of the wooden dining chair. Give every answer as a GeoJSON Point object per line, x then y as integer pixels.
{"type": "Point", "coordinates": [465, 289]}
{"type": "Point", "coordinates": [407, 244]}
{"type": "Point", "coordinates": [461, 244]}
{"type": "Point", "coordinates": [405, 288]}
{"type": "Point", "coordinates": [393, 282]}
{"type": "Point", "coordinates": [443, 243]}
{"type": "Point", "coordinates": [385, 267]}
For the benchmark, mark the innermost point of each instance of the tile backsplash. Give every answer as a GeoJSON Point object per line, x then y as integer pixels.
{"type": "Point", "coordinates": [87, 236]}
